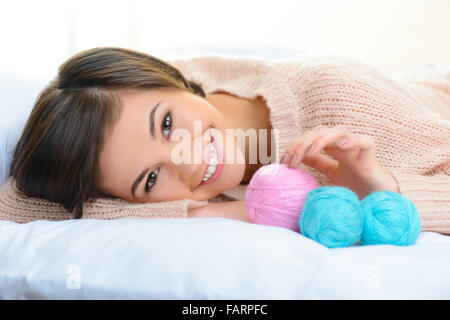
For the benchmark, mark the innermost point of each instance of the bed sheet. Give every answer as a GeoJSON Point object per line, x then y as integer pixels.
{"type": "Point", "coordinates": [209, 258]}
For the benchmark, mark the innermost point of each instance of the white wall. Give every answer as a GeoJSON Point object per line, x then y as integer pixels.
{"type": "Point", "coordinates": [394, 35]}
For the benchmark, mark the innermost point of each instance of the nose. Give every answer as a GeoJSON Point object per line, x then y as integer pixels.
{"type": "Point", "coordinates": [186, 159]}
{"type": "Point", "coordinates": [188, 174]}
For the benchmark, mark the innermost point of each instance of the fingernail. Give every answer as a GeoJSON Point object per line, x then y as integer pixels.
{"type": "Point", "coordinates": [284, 158]}
{"type": "Point", "coordinates": [291, 163]}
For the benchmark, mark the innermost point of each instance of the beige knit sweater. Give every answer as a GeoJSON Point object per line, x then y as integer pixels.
{"type": "Point", "coordinates": [408, 116]}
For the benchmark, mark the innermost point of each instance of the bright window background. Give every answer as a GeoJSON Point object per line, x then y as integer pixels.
{"type": "Point", "coordinates": [37, 36]}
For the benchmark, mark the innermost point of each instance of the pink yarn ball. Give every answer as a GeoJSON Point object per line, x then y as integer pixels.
{"type": "Point", "coordinates": [276, 194]}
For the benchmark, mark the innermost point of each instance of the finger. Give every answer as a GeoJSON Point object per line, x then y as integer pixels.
{"type": "Point", "coordinates": [323, 164]}
{"type": "Point", "coordinates": [319, 139]}
{"type": "Point", "coordinates": [358, 152]}
{"type": "Point", "coordinates": [284, 158]}
{"type": "Point", "coordinates": [331, 137]}
{"type": "Point", "coordinates": [366, 146]}
{"type": "Point", "coordinates": [288, 153]}
{"type": "Point", "coordinates": [297, 152]}
{"type": "Point", "coordinates": [343, 149]}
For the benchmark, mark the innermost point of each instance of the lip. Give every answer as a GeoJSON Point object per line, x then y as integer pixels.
{"type": "Point", "coordinates": [219, 167]}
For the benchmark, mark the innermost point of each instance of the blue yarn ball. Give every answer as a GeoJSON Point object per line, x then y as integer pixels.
{"type": "Point", "coordinates": [389, 218]}
{"type": "Point", "coordinates": [332, 216]}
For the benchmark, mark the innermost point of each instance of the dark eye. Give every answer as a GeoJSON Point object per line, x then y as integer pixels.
{"type": "Point", "coordinates": [151, 180]}
{"type": "Point", "coordinates": [167, 124]}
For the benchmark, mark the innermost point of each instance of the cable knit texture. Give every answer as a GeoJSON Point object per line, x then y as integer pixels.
{"type": "Point", "coordinates": [407, 114]}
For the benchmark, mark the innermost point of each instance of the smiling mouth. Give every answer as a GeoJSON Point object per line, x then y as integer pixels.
{"type": "Point", "coordinates": [214, 168]}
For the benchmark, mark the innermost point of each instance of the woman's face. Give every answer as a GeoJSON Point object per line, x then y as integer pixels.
{"type": "Point", "coordinates": [131, 150]}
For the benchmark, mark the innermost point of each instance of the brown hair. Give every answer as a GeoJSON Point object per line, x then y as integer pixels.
{"type": "Point", "coordinates": [56, 158]}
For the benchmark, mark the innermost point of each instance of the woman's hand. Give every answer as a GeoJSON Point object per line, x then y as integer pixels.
{"type": "Point", "coordinates": [353, 163]}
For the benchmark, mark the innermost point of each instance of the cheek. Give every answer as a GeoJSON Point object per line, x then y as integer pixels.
{"type": "Point", "coordinates": [170, 190]}
{"type": "Point", "coordinates": [234, 164]}
{"type": "Point", "coordinates": [232, 176]}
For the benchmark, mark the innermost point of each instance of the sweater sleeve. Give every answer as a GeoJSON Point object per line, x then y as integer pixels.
{"type": "Point", "coordinates": [431, 192]}
{"type": "Point", "coordinates": [430, 195]}
{"type": "Point", "coordinates": [16, 207]}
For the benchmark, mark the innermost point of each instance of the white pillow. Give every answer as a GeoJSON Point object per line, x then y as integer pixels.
{"type": "Point", "coordinates": [208, 258]}
{"type": "Point", "coordinates": [17, 97]}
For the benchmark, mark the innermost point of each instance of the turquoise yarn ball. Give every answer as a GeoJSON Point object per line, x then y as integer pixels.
{"type": "Point", "coordinates": [332, 216]}
{"type": "Point", "coordinates": [389, 218]}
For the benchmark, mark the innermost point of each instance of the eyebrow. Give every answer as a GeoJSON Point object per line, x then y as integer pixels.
{"type": "Point", "coordinates": [152, 132]}
{"type": "Point", "coordinates": [152, 120]}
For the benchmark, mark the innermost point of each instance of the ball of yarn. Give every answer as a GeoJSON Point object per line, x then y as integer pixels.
{"type": "Point", "coordinates": [389, 218]}
{"type": "Point", "coordinates": [332, 216]}
{"type": "Point", "coordinates": [276, 194]}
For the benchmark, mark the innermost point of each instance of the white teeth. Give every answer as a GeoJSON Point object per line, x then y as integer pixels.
{"type": "Point", "coordinates": [213, 150]}
{"type": "Point", "coordinates": [212, 163]}
{"type": "Point", "coordinates": [211, 169]}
